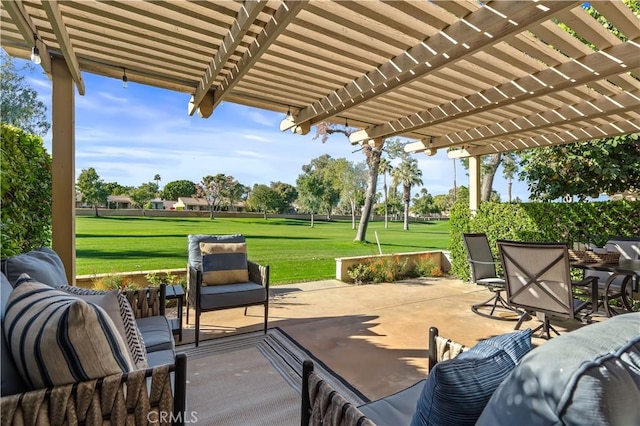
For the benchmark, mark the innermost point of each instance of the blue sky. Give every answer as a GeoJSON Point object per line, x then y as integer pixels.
{"type": "Point", "coordinates": [129, 135]}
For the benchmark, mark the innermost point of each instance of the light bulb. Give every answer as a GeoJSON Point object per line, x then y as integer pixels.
{"type": "Point", "coordinates": [125, 81]}
{"type": "Point", "coordinates": [35, 55]}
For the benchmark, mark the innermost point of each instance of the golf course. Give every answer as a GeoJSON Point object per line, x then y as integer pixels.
{"type": "Point", "coordinates": [294, 250]}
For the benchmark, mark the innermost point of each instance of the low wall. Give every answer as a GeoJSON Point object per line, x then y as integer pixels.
{"type": "Point", "coordinates": [344, 263]}
{"type": "Point", "coordinates": [137, 277]}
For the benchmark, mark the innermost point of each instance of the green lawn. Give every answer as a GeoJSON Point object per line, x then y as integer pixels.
{"type": "Point", "coordinates": [295, 251]}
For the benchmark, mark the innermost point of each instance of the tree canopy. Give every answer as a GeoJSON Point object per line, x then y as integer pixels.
{"type": "Point", "coordinates": [19, 102]}
{"type": "Point", "coordinates": [178, 188]}
{"type": "Point", "coordinates": [584, 169]}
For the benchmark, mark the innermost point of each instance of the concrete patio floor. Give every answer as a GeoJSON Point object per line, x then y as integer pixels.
{"type": "Point", "coordinates": [376, 335]}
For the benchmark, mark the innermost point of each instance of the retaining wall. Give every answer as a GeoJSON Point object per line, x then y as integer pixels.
{"type": "Point", "coordinates": [344, 263]}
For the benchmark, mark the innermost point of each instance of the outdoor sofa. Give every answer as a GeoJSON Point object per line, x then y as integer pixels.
{"type": "Point", "coordinates": [144, 380]}
{"type": "Point", "coordinates": [588, 375]}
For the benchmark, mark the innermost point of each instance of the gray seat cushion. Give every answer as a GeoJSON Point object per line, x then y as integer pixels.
{"type": "Point", "coordinates": [163, 357]}
{"type": "Point", "coordinates": [395, 409]}
{"type": "Point", "coordinates": [224, 296]}
{"type": "Point", "coordinates": [11, 382]}
{"type": "Point", "coordinates": [43, 265]}
{"type": "Point", "coordinates": [591, 374]}
{"type": "Point", "coordinates": [156, 333]}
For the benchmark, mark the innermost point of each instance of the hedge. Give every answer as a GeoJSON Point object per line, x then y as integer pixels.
{"type": "Point", "coordinates": [25, 186]}
{"type": "Point", "coordinates": [565, 222]}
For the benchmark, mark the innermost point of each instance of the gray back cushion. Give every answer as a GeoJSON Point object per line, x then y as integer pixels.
{"type": "Point", "coordinates": [195, 255]}
{"type": "Point", "coordinates": [11, 382]}
{"type": "Point", "coordinates": [591, 374]}
{"type": "Point", "coordinates": [43, 265]}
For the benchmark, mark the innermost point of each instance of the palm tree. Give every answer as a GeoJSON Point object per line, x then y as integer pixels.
{"type": "Point", "coordinates": [157, 178]}
{"type": "Point", "coordinates": [409, 175]}
{"type": "Point", "coordinates": [385, 168]}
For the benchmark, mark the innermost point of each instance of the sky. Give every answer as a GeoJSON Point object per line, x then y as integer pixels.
{"type": "Point", "coordinates": [128, 135]}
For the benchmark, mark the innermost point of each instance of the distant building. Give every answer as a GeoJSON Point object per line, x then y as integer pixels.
{"type": "Point", "coordinates": [191, 203]}
{"type": "Point", "coordinates": [119, 202]}
{"type": "Point", "coordinates": [157, 204]}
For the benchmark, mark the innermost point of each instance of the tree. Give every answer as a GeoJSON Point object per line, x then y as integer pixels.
{"type": "Point", "coordinates": [310, 191]}
{"type": "Point", "coordinates": [509, 170]}
{"type": "Point", "coordinates": [19, 103]}
{"type": "Point", "coordinates": [93, 189]}
{"type": "Point", "coordinates": [423, 203]}
{"type": "Point", "coordinates": [372, 155]}
{"type": "Point", "coordinates": [352, 179]}
{"type": "Point", "coordinates": [584, 169]}
{"type": "Point", "coordinates": [143, 194]}
{"type": "Point", "coordinates": [286, 195]}
{"type": "Point", "coordinates": [264, 199]}
{"type": "Point", "coordinates": [214, 189]}
{"type": "Point", "coordinates": [178, 188]}
{"type": "Point", "coordinates": [409, 175]}
{"type": "Point", "coordinates": [385, 168]}
{"type": "Point", "coordinates": [114, 188]}
{"type": "Point", "coordinates": [327, 169]}
{"type": "Point", "coordinates": [157, 179]}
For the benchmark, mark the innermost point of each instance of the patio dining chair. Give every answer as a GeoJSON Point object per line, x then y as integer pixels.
{"type": "Point", "coordinates": [537, 277]}
{"type": "Point", "coordinates": [483, 272]}
{"type": "Point", "coordinates": [220, 276]}
{"type": "Point", "coordinates": [621, 287]}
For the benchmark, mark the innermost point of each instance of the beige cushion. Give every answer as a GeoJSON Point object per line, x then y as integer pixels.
{"type": "Point", "coordinates": [224, 263]}
{"type": "Point", "coordinates": [57, 338]}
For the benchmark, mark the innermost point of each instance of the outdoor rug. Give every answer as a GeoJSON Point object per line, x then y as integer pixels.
{"type": "Point", "coordinates": [252, 379]}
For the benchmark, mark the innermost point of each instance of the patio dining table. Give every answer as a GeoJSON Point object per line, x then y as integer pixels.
{"type": "Point", "coordinates": [628, 269]}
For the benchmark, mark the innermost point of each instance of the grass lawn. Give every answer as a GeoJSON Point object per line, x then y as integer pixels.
{"type": "Point", "coordinates": [295, 251]}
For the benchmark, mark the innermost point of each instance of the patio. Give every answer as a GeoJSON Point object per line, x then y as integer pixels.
{"type": "Point", "coordinates": [374, 336]}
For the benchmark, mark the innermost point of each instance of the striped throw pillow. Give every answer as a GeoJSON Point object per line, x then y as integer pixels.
{"type": "Point", "coordinates": [224, 263]}
{"type": "Point", "coordinates": [456, 391]}
{"type": "Point", "coordinates": [123, 317]}
{"type": "Point", "coordinates": [57, 338]}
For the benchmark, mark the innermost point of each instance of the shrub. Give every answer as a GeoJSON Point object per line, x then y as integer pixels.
{"type": "Point", "coordinates": [427, 267]}
{"type": "Point", "coordinates": [25, 186]}
{"type": "Point", "coordinates": [559, 222]}
{"type": "Point", "coordinates": [360, 273]}
{"type": "Point", "coordinates": [114, 282]}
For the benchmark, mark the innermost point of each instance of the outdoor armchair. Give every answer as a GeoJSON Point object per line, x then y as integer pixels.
{"type": "Point", "coordinates": [484, 273]}
{"type": "Point", "coordinates": [220, 276]}
{"type": "Point", "coordinates": [537, 277]}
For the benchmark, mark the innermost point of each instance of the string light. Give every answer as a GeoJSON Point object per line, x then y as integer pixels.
{"type": "Point", "coordinates": [35, 52]}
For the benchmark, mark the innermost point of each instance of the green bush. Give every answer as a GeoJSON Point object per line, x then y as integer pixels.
{"type": "Point", "coordinates": [25, 170]}
{"type": "Point", "coordinates": [559, 222]}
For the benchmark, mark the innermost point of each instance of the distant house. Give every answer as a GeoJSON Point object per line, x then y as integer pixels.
{"type": "Point", "coordinates": [191, 203]}
{"type": "Point", "coordinates": [119, 202]}
{"type": "Point", "coordinates": [157, 204]}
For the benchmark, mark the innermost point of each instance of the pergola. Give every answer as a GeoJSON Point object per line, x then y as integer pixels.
{"type": "Point", "coordinates": [467, 76]}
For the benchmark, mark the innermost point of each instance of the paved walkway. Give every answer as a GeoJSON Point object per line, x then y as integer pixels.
{"type": "Point", "coordinates": [374, 335]}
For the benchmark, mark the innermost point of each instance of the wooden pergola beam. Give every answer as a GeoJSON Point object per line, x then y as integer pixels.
{"type": "Point", "coordinates": [246, 17]}
{"type": "Point", "coordinates": [28, 30]}
{"type": "Point", "coordinates": [54, 16]}
{"type": "Point", "coordinates": [568, 114]}
{"type": "Point", "coordinates": [486, 26]}
{"type": "Point", "coordinates": [607, 130]}
{"type": "Point", "coordinates": [596, 66]}
{"type": "Point", "coordinates": [276, 25]}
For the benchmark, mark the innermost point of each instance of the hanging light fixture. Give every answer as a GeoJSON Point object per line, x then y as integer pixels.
{"type": "Point", "coordinates": [125, 80]}
{"type": "Point", "coordinates": [35, 52]}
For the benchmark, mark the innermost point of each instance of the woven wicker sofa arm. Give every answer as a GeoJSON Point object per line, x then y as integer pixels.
{"type": "Point", "coordinates": [147, 302]}
{"type": "Point", "coordinates": [258, 274]}
{"type": "Point", "coordinates": [118, 399]}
